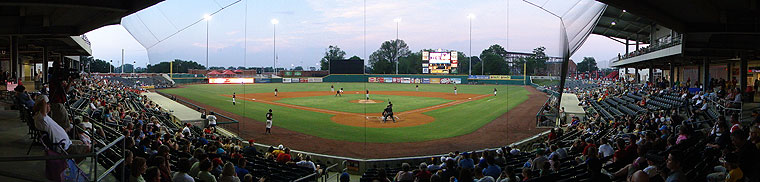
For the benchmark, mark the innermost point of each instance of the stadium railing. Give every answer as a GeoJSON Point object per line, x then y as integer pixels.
{"type": "Point", "coordinates": [229, 125]}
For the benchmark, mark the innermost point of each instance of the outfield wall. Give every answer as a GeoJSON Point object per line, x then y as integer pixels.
{"type": "Point", "coordinates": [387, 78]}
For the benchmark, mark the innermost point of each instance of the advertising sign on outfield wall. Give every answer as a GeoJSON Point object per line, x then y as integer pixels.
{"type": "Point", "coordinates": [229, 80]}
{"type": "Point", "coordinates": [406, 80]}
{"type": "Point", "coordinates": [445, 80]}
{"type": "Point", "coordinates": [315, 80]}
{"type": "Point", "coordinates": [426, 80]}
{"type": "Point", "coordinates": [501, 77]}
{"type": "Point", "coordinates": [388, 80]}
{"type": "Point", "coordinates": [479, 77]}
{"type": "Point", "coordinates": [456, 80]}
{"type": "Point", "coordinates": [435, 80]}
{"type": "Point", "coordinates": [285, 80]}
{"type": "Point", "coordinates": [372, 79]}
{"type": "Point", "coordinates": [304, 80]}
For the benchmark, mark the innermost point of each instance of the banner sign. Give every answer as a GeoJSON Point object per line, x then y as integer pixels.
{"type": "Point", "coordinates": [435, 80]}
{"type": "Point", "coordinates": [425, 80]}
{"type": "Point", "coordinates": [445, 80]}
{"type": "Point", "coordinates": [229, 80]}
{"type": "Point", "coordinates": [406, 80]}
{"type": "Point", "coordinates": [501, 77]}
{"type": "Point", "coordinates": [264, 80]}
{"type": "Point", "coordinates": [478, 77]}
{"type": "Point", "coordinates": [372, 79]}
{"type": "Point", "coordinates": [456, 80]}
{"type": "Point", "coordinates": [388, 80]}
{"type": "Point", "coordinates": [286, 80]}
{"type": "Point", "coordinates": [315, 80]}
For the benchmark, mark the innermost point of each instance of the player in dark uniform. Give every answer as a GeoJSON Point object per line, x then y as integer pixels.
{"type": "Point", "coordinates": [388, 112]}
{"type": "Point", "coordinates": [233, 98]}
{"type": "Point", "coordinates": [269, 122]}
{"type": "Point", "coordinates": [337, 93]}
{"type": "Point", "coordinates": [367, 94]}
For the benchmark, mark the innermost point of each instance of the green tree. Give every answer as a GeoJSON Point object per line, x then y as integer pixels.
{"type": "Point", "coordinates": [411, 64]}
{"type": "Point", "coordinates": [384, 59]}
{"type": "Point", "coordinates": [492, 61]}
{"type": "Point", "coordinates": [588, 64]}
{"type": "Point", "coordinates": [332, 53]}
{"type": "Point", "coordinates": [537, 61]}
{"type": "Point", "coordinates": [180, 66]}
{"type": "Point", "coordinates": [97, 65]}
{"type": "Point", "coordinates": [298, 68]}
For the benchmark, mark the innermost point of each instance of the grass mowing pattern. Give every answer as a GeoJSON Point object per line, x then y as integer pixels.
{"type": "Point", "coordinates": [401, 103]}
{"type": "Point", "coordinates": [450, 122]}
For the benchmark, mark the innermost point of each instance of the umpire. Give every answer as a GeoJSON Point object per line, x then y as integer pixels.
{"type": "Point", "coordinates": [388, 112]}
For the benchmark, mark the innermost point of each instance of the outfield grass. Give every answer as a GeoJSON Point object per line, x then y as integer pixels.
{"type": "Point", "coordinates": [450, 121]}
{"type": "Point", "coordinates": [401, 103]}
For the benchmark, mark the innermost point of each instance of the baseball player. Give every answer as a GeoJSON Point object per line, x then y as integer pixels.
{"type": "Point", "coordinates": [388, 112]}
{"type": "Point", "coordinates": [332, 89]}
{"type": "Point", "coordinates": [455, 90]}
{"type": "Point", "coordinates": [367, 94]}
{"type": "Point", "coordinates": [417, 88]}
{"type": "Point", "coordinates": [494, 91]}
{"type": "Point", "coordinates": [341, 91]}
{"type": "Point", "coordinates": [337, 93]}
{"type": "Point", "coordinates": [233, 98]}
{"type": "Point", "coordinates": [275, 92]}
{"type": "Point", "coordinates": [269, 122]}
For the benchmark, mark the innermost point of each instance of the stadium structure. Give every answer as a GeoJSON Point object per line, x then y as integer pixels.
{"type": "Point", "coordinates": [679, 104]}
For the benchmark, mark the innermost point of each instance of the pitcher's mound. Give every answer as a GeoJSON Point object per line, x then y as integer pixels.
{"type": "Point", "coordinates": [366, 101]}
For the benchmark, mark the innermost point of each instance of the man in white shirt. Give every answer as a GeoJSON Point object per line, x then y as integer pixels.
{"type": "Point", "coordinates": [212, 120]}
{"type": "Point", "coordinates": [306, 162]}
{"type": "Point", "coordinates": [56, 133]}
{"type": "Point", "coordinates": [605, 149]}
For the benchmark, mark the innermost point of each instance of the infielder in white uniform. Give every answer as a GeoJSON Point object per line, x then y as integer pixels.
{"type": "Point", "coordinates": [233, 98]}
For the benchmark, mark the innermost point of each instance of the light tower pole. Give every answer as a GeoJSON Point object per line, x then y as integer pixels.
{"type": "Point", "coordinates": [207, 18]}
{"type": "Point", "coordinates": [471, 16]}
{"type": "Point", "coordinates": [397, 20]}
{"type": "Point", "coordinates": [274, 45]}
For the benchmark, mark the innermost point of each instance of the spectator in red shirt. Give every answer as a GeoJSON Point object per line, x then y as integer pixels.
{"type": "Point", "coordinates": [284, 157]}
{"type": "Point", "coordinates": [589, 144]}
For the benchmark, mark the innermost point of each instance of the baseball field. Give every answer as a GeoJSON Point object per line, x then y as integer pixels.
{"type": "Point", "coordinates": [431, 112]}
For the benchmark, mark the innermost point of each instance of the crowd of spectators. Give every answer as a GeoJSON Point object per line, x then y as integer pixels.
{"type": "Point", "coordinates": [98, 110]}
{"type": "Point", "coordinates": [670, 141]}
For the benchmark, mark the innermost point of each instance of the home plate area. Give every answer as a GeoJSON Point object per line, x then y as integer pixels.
{"type": "Point", "coordinates": [380, 119]}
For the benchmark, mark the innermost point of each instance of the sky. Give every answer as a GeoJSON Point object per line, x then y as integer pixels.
{"type": "Point", "coordinates": [176, 29]}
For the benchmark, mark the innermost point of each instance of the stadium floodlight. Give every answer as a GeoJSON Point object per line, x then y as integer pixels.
{"type": "Point", "coordinates": [470, 16]}
{"type": "Point", "coordinates": [624, 11]}
{"type": "Point", "coordinates": [207, 18]}
{"type": "Point", "coordinates": [397, 20]}
{"type": "Point", "coordinates": [613, 23]}
{"type": "Point", "coordinates": [274, 44]}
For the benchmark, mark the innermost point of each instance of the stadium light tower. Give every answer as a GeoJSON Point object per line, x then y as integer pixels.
{"type": "Point", "coordinates": [471, 16]}
{"type": "Point", "coordinates": [397, 20]}
{"type": "Point", "coordinates": [274, 44]}
{"type": "Point", "coordinates": [207, 18]}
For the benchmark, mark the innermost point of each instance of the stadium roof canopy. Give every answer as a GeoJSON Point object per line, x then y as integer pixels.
{"type": "Point", "coordinates": [710, 28]}
{"type": "Point", "coordinates": [615, 23]}
{"type": "Point", "coordinates": [57, 25]}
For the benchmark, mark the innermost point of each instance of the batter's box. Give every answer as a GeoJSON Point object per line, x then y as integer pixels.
{"type": "Point", "coordinates": [380, 119]}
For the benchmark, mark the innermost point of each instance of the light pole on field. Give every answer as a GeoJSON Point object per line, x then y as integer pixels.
{"type": "Point", "coordinates": [207, 18]}
{"type": "Point", "coordinates": [274, 44]}
{"type": "Point", "coordinates": [471, 16]}
{"type": "Point", "coordinates": [397, 20]}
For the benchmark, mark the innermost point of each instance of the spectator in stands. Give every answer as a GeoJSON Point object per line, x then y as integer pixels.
{"type": "Point", "coordinates": [139, 167]}
{"type": "Point", "coordinates": [728, 171]}
{"type": "Point", "coordinates": [422, 174]}
{"type": "Point", "coordinates": [240, 168]}
{"type": "Point", "coordinates": [205, 172]}
{"type": "Point", "coordinates": [163, 164]}
{"type": "Point", "coordinates": [228, 174]}
{"type": "Point", "coordinates": [673, 163]}
{"type": "Point", "coordinates": [345, 177]}
{"type": "Point", "coordinates": [540, 160]}
{"type": "Point", "coordinates": [382, 176]}
{"type": "Point", "coordinates": [307, 163]}
{"type": "Point", "coordinates": [183, 167]}
{"type": "Point", "coordinates": [754, 136]}
{"type": "Point", "coordinates": [57, 134]}
{"type": "Point", "coordinates": [466, 161]}
{"type": "Point", "coordinates": [492, 170]}
{"type": "Point", "coordinates": [405, 174]}
{"type": "Point", "coordinates": [605, 150]}
{"type": "Point", "coordinates": [747, 152]}
{"type": "Point", "coordinates": [284, 157]}
{"type": "Point", "coordinates": [23, 98]}
{"type": "Point", "coordinates": [211, 118]}
{"type": "Point", "coordinates": [218, 167]}
{"type": "Point", "coordinates": [153, 174]}
{"type": "Point", "coordinates": [556, 150]}
{"type": "Point", "coordinates": [195, 168]}
{"type": "Point", "coordinates": [508, 175]}
{"type": "Point", "coordinates": [527, 174]}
